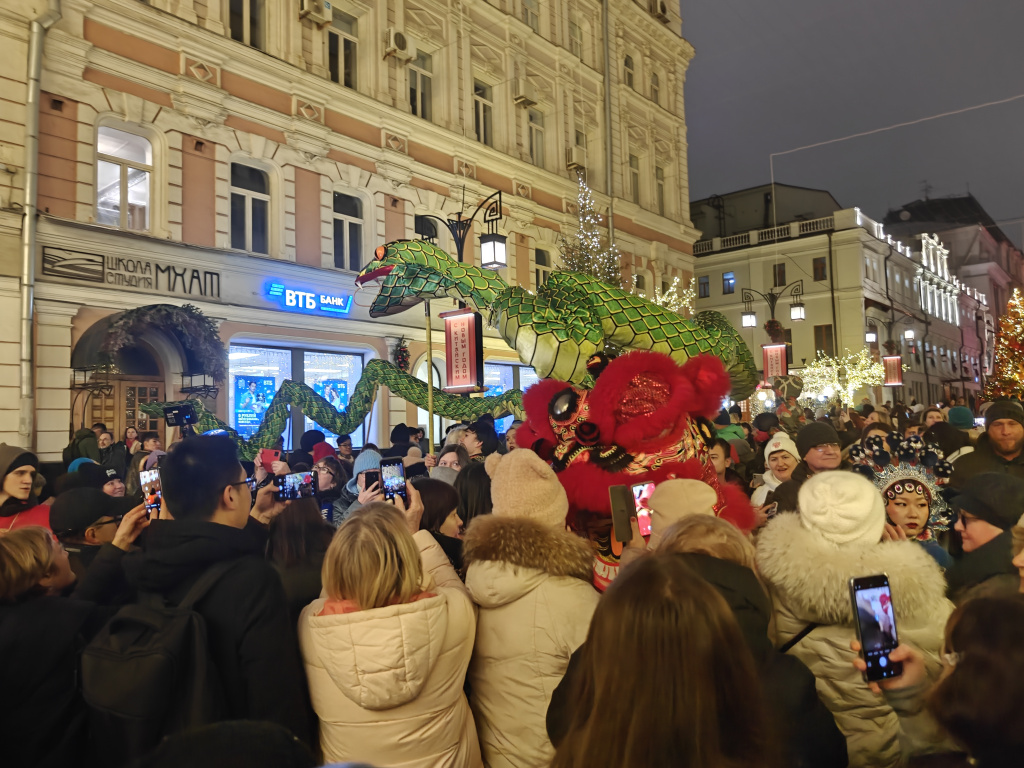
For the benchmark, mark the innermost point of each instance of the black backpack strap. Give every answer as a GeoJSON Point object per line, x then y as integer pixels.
{"type": "Point", "coordinates": [785, 647]}
{"type": "Point", "coordinates": [205, 582]}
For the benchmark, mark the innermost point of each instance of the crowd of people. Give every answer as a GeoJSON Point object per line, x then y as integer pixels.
{"type": "Point", "coordinates": [458, 624]}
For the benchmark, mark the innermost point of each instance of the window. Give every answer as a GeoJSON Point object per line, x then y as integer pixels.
{"type": "Point", "coordinates": [250, 209]}
{"type": "Point", "coordinates": [531, 14]}
{"type": "Point", "coordinates": [581, 139]}
{"type": "Point", "coordinates": [664, 287]}
{"type": "Point", "coordinates": [823, 341]}
{"type": "Point", "coordinates": [542, 259]}
{"type": "Point", "coordinates": [483, 109]}
{"type": "Point", "coordinates": [659, 188]}
{"type": "Point", "coordinates": [634, 178]}
{"type": "Point", "coordinates": [627, 71]}
{"type": "Point", "coordinates": [820, 270]}
{"type": "Point", "coordinates": [426, 228]}
{"type": "Point", "coordinates": [655, 88]}
{"type": "Point", "coordinates": [536, 124]}
{"type": "Point", "coordinates": [641, 282]}
{"type": "Point", "coordinates": [419, 84]}
{"type": "Point", "coordinates": [779, 275]}
{"type": "Point", "coordinates": [575, 39]}
{"type": "Point", "coordinates": [703, 287]}
{"type": "Point", "coordinates": [334, 377]}
{"type": "Point", "coordinates": [246, 22]}
{"type": "Point", "coordinates": [341, 49]}
{"type": "Point", "coordinates": [728, 282]}
{"type": "Point", "coordinates": [124, 172]}
{"type": "Point", "coordinates": [348, 232]}
{"type": "Point", "coordinates": [256, 373]}
{"type": "Point", "coordinates": [500, 378]}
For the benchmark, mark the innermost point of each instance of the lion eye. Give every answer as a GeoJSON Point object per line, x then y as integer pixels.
{"type": "Point", "coordinates": [564, 405]}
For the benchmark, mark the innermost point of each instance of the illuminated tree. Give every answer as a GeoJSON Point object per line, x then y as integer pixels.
{"type": "Point", "coordinates": [674, 300]}
{"type": "Point", "coordinates": [840, 377]}
{"type": "Point", "coordinates": [1008, 377]}
{"type": "Point", "coordinates": [587, 251]}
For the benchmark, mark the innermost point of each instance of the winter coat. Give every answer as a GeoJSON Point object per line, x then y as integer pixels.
{"type": "Point", "coordinates": [769, 483]}
{"type": "Point", "coordinates": [731, 432]}
{"type": "Point", "coordinates": [251, 638]}
{"type": "Point", "coordinates": [85, 445]}
{"type": "Point", "coordinates": [387, 683]}
{"type": "Point", "coordinates": [985, 572]}
{"type": "Point", "coordinates": [984, 459]}
{"type": "Point", "coordinates": [533, 586]}
{"type": "Point", "coordinates": [806, 730]}
{"type": "Point", "coordinates": [301, 583]}
{"type": "Point", "coordinates": [14, 513]}
{"type": "Point", "coordinates": [346, 503]}
{"type": "Point", "coordinates": [808, 580]}
{"type": "Point", "coordinates": [115, 456]}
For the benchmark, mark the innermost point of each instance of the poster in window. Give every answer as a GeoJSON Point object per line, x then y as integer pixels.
{"type": "Point", "coordinates": [252, 397]}
{"type": "Point", "coordinates": [334, 391]}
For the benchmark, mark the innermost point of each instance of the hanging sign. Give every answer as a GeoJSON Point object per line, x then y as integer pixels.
{"type": "Point", "coordinates": [893, 370]}
{"type": "Point", "coordinates": [774, 361]}
{"type": "Point", "coordinates": [464, 346]}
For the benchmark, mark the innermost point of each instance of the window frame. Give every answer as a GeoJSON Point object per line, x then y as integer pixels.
{"type": "Point", "coordinates": [704, 287]}
{"type": "Point", "coordinates": [659, 190]}
{"type": "Point", "coordinates": [536, 136]}
{"type": "Point", "coordinates": [826, 343]}
{"type": "Point", "coordinates": [247, 23]}
{"type": "Point", "coordinates": [819, 261]}
{"type": "Point", "coordinates": [338, 62]}
{"type": "Point", "coordinates": [483, 112]}
{"type": "Point", "coordinates": [530, 14]}
{"type": "Point", "coordinates": [633, 163]}
{"type": "Point", "coordinates": [728, 283]}
{"type": "Point", "coordinates": [124, 165]}
{"type": "Point", "coordinates": [779, 273]}
{"type": "Point", "coordinates": [575, 42]}
{"type": "Point", "coordinates": [655, 88]}
{"type": "Point", "coordinates": [250, 196]}
{"type": "Point", "coordinates": [417, 74]}
{"type": "Point", "coordinates": [541, 272]}
{"type": "Point", "coordinates": [349, 221]}
{"type": "Point", "coordinates": [628, 71]}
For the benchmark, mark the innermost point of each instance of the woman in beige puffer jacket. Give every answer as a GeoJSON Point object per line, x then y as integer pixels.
{"type": "Point", "coordinates": [387, 682]}
{"type": "Point", "coordinates": [532, 580]}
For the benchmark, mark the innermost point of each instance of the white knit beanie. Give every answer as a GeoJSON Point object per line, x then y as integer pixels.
{"type": "Point", "coordinates": [523, 485]}
{"type": "Point", "coordinates": [674, 500]}
{"type": "Point", "coordinates": [842, 507]}
{"type": "Point", "coordinates": [780, 441]}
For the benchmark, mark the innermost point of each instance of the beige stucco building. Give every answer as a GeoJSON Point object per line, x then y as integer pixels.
{"type": "Point", "coordinates": [224, 152]}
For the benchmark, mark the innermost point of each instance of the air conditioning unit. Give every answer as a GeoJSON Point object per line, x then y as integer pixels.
{"type": "Point", "coordinates": [317, 11]}
{"type": "Point", "coordinates": [524, 94]}
{"type": "Point", "coordinates": [659, 8]}
{"type": "Point", "coordinates": [399, 45]}
{"type": "Point", "coordinates": [575, 158]}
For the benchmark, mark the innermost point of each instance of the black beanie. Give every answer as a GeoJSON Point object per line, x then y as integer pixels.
{"type": "Point", "coordinates": [815, 433]}
{"type": "Point", "coordinates": [1004, 409]}
{"type": "Point", "coordinates": [995, 497]}
{"type": "Point", "coordinates": [723, 419]}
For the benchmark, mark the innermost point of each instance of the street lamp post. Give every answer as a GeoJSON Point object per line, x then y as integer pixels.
{"type": "Point", "coordinates": [797, 311]}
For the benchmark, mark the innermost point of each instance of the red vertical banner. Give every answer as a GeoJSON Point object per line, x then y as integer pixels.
{"type": "Point", "coordinates": [774, 360]}
{"type": "Point", "coordinates": [893, 370]}
{"type": "Point", "coordinates": [463, 336]}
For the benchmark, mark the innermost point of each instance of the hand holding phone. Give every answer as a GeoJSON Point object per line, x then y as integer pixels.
{"type": "Point", "coordinates": [268, 456]}
{"type": "Point", "coordinates": [300, 485]}
{"type": "Point", "coordinates": [641, 495]}
{"type": "Point", "coordinates": [152, 492]}
{"type": "Point", "coordinates": [392, 478]}
{"type": "Point", "coordinates": [875, 619]}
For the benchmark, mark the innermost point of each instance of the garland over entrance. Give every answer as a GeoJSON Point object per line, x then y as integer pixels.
{"type": "Point", "coordinates": [195, 331]}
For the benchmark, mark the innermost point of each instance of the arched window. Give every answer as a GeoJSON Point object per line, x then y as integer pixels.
{"type": "Point", "coordinates": [124, 173]}
{"type": "Point", "coordinates": [655, 88]}
{"type": "Point", "coordinates": [627, 69]}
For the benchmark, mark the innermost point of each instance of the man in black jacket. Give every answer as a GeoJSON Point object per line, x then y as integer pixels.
{"type": "Point", "coordinates": [1000, 449]}
{"type": "Point", "coordinates": [820, 451]}
{"type": "Point", "coordinates": [252, 640]}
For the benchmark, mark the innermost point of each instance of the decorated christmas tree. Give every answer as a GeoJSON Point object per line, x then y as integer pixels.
{"type": "Point", "coordinates": [1008, 377]}
{"type": "Point", "coordinates": [587, 251]}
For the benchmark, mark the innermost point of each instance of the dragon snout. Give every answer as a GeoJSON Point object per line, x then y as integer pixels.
{"type": "Point", "coordinates": [374, 274]}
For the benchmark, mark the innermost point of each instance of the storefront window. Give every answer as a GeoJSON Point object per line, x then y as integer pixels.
{"type": "Point", "coordinates": [501, 377]}
{"type": "Point", "coordinates": [333, 377]}
{"type": "Point", "coordinates": [256, 375]}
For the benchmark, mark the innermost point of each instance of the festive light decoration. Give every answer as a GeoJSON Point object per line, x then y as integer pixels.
{"type": "Point", "coordinates": [401, 356]}
{"type": "Point", "coordinates": [827, 378]}
{"type": "Point", "coordinates": [1008, 376]}
{"type": "Point", "coordinates": [587, 251]}
{"type": "Point", "coordinates": [672, 299]}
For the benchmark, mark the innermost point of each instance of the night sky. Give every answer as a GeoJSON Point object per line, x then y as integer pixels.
{"type": "Point", "coordinates": [773, 76]}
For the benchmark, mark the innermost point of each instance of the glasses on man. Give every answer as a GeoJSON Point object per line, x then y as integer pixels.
{"type": "Point", "coordinates": [251, 482]}
{"type": "Point", "coordinates": [826, 447]}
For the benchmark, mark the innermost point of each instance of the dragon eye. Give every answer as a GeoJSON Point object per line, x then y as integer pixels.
{"type": "Point", "coordinates": [563, 406]}
{"type": "Point", "coordinates": [379, 253]}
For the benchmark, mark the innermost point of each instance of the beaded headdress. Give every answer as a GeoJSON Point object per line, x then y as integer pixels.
{"type": "Point", "coordinates": [898, 465]}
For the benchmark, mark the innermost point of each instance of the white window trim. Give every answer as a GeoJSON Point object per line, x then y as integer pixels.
{"type": "Point", "coordinates": [247, 14]}
{"type": "Point", "coordinates": [531, 129]}
{"type": "Point", "coordinates": [479, 102]}
{"type": "Point", "coordinates": [275, 216]}
{"type": "Point", "coordinates": [535, 269]}
{"type": "Point", "coordinates": [157, 139]}
{"type": "Point", "coordinates": [330, 29]}
{"type": "Point", "coordinates": [412, 69]}
{"type": "Point", "coordinates": [369, 232]}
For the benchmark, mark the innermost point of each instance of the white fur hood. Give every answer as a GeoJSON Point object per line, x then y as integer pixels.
{"type": "Point", "coordinates": [811, 576]}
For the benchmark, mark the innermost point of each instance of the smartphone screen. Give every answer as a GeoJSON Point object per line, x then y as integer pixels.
{"type": "Point", "coordinates": [152, 493]}
{"type": "Point", "coordinates": [372, 476]}
{"type": "Point", "coordinates": [876, 625]}
{"type": "Point", "coordinates": [622, 509]}
{"type": "Point", "coordinates": [298, 485]}
{"type": "Point", "coordinates": [641, 496]}
{"type": "Point", "coordinates": [392, 475]}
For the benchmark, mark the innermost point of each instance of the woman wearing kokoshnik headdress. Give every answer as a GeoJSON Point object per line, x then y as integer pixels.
{"type": "Point", "coordinates": [909, 473]}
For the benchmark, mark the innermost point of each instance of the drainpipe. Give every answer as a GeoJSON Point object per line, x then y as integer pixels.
{"type": "Point", "coordinates": [832, 290]}
{"type": "Point", "coordinates": [37, 35]}
{"type": "Point", "coordinates": [607, 31]}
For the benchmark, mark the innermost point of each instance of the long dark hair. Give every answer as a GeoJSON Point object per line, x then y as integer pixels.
{"type": "Point", "coordinates": [473, 485]}
{"type": "Point", "coordinates": [298, 534]}
{"type": "Point", "coordinates": [981, 702]}
{"type": "Point", "coordinates": [439, 499]}
{"type": "Point", "coordinates": [666, 678]}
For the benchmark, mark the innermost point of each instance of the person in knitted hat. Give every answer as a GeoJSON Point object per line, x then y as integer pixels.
{"type": "Point", "coordinates": [356, 493]}
{"type": "Point", "coordinates": [988, 507]}
{"type": "Point", "coordinates": [807, 560]}
{"type": "Point", "coordinates": [781, 458]}
{"type": "Point", "coordinates": [818, 448]}
{"type": "Point", "coordinates": [961, 417]}
{"type": "Point", "coordinates": [18, 504]}
{"type": "Point", "coordinates": [531, 579]}
{"type": "Point", "coordinates": [1000, 449]}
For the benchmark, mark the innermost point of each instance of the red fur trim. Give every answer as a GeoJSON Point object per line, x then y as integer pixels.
{"type": "Point", "coordinates": [652, 432]}
{"type": "Point", "coordinates": [587, 485]}
{"type": "Point", "coordinates": [535, 403]}
{"type": "Point", "coordinates": [737, 510]}
{"type": "Point", "coordinates": [710, 384]}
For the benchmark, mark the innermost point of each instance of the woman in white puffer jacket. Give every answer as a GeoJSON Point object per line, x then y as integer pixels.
{"type": "Point", "coordinates": [386, 651]}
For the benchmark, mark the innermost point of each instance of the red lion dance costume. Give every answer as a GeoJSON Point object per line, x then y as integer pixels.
{"type": "Point", "coordinates": [645, 420]}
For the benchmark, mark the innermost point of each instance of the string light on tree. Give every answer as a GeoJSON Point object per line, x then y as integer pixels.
{"type": "Point", "coordinates": [673, 299]}
{"type": "Point", "coordinates": [1007, 378]}
{"type": "Point", "coordinates": [587, 251]}
{"type": "Point", "coordinates": [830, 377]}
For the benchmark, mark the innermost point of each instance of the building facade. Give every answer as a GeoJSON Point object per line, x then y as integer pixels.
{"type": "Point", "coordinates": [858, 287]}
{"type": "Point", "coordinates": [237, 154]}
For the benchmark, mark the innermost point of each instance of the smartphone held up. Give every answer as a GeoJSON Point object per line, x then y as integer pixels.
{"type": "Point", "coordinates": [298, 485]}
{"type": "Point", "coordinates": [152, 492]}
{"type": "Point", "coordinates": [392, 477]}
{"type": "Point", "coordinates": [875, 618]}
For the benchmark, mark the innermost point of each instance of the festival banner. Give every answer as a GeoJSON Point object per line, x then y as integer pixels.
{"type": "Point", "coordinates": [774, 358]}
{"type": "Point", "coordinates": [893, 370]}
{"type": "Point", "coordinates": [464, 345]}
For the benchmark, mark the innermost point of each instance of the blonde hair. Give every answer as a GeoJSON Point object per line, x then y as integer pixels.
{"type": "Point", "coordinates": [373, 560]}
{"type": "Point", "coordinates": [26, 557]}
{"type": "Point", "coordinates": [455, 436]}
{"type": "Point", "coordinates": [708, 535]}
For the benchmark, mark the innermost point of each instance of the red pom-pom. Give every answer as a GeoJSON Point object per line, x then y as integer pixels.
{"type": "Point", "coordinates": [737, 509]}
{"type": "Point", "coordinates": [710, 384]}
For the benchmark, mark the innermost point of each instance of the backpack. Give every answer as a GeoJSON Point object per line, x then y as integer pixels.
{"type": "Point", "coordinates": [71, 452]}
{"type": "Point", "coordinates": [148, 673]}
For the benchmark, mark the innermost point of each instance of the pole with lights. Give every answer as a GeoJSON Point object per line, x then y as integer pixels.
{"type": "Point", "coordinates": [797, 310]}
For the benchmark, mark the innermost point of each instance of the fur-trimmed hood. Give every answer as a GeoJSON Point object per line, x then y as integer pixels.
{"type": "Point", "coordinates": [512, 556]}
{"type": "Point", "coordinates": [811, 576]}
